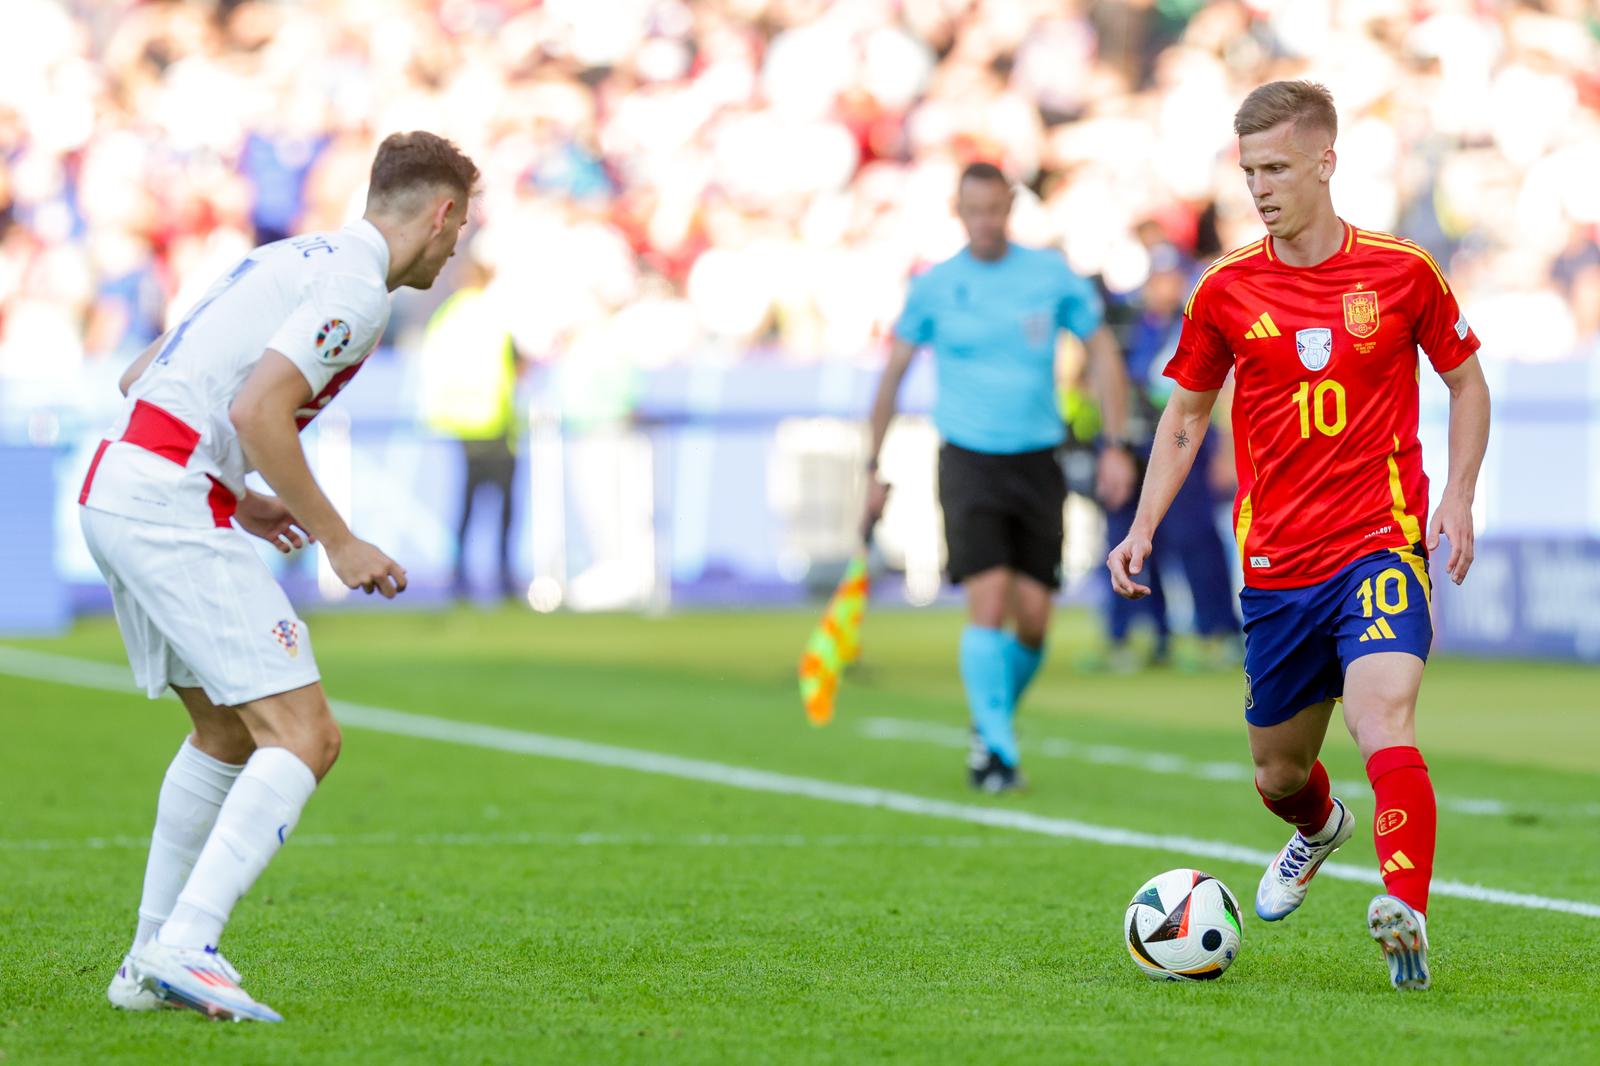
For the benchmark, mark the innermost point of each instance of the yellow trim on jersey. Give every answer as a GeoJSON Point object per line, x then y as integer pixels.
{"type": "Point", "coordinates": [1232, 257]}
{"type": "Point", "coordinates": [1242, 530]}
{"type": "Point", "coordinates": [1395, 244]}
{"type": "Point", "coordinates": [1414, 561]}
{"type": "Point", "coordinates": [1408, 522]}
{"type": "Point", "coordinates": [1349, 236]}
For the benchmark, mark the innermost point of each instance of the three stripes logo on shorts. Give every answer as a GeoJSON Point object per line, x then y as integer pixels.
{"type": "Point", "coordinates": [1264, 327]}
{"type": "Point", "coordinates": [287, 634]}
{"type": "Point", "coordinates": [1379, 630]}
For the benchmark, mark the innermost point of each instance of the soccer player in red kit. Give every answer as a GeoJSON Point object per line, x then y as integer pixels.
{"type": "Point", "coordinates": [1320, 323]}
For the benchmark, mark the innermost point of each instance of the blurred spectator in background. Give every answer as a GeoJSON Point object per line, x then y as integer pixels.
{"type": "Point", "coordinates": [468, 382]}
{"type": "Point", "coordinates": [781, 166]}
{"type": "Point", "coordinates": [689, 183]}
{"type": "Point", "coordinates": [1188, 539]}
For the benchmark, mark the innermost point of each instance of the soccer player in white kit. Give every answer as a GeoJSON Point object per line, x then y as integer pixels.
{"type": "Point", "coordinates": [225, 392]}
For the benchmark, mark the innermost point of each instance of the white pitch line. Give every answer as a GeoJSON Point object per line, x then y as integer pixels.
{"type": "Point", "coordinates": [561, 840]}
{"type": "Point", "coordinates": [77, 672]}
{"type": "Point", "coordinates": [1160, 762]}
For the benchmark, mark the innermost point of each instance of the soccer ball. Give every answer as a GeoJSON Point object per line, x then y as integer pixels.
{"type": "Point", "coordinates": [1183, 925]}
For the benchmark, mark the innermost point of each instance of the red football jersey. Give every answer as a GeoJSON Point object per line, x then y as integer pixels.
{"type": "Point", "coordinates": [1325, 401]}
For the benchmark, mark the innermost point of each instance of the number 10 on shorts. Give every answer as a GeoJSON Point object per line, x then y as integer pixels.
{"type": "Point", "coordinates": [1387, 590]}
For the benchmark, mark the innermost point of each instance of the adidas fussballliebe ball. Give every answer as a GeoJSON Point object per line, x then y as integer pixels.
{"type": "Point", "coordinates": [1183, 925]}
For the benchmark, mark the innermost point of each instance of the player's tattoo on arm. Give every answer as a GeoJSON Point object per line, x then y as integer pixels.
{"type": "Point", "coordinates": [1182, 439]}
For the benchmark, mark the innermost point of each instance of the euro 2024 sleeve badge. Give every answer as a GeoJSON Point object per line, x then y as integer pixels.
{"type": "Point", "coordinates": [332, 338]}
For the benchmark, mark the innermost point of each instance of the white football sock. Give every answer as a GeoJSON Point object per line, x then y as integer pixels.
{"type": "Point", "coordinates": [255, 820]}
{"type": "Point", "coordinates": [1330, 827]}
{"type": "Point", "coordinates": [191, 795]}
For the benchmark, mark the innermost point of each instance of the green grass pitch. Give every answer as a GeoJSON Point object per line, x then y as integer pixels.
{"type": "Point", "coordinates": [446, 903]}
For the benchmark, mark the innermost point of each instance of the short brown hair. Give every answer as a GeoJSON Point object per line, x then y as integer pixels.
{"type": "Point", "coordinates": [418, 160]}
{"type": "Point", "coordinates": [1305, 103]}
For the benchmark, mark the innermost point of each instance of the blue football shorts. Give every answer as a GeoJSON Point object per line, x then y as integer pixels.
{"type": "Point", "coordinates": [1298, 643]}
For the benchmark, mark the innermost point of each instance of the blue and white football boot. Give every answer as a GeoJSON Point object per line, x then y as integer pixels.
{"type": "Point", "coordinates": [1283, 887]}
{"type": "Point", "coordinates": [1402, 933]}
{"type": "Point", "coordinates": [199, 979]}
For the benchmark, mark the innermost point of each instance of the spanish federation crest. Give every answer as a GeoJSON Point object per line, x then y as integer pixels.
{"type": "Point", "coordinates": [1361, 313]}
{"type": "Point", "coordinates": [1314, 346]}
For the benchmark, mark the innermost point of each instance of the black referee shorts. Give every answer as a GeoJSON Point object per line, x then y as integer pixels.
{"type": "Point", "coordinates": [1002, 510]}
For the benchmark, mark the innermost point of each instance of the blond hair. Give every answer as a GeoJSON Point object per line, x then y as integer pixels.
{"type": "Point", "coordinates": [1305, 103]}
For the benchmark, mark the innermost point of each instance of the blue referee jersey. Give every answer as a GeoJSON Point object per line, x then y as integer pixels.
{"type": "Point", "coordinates": [992, 327]}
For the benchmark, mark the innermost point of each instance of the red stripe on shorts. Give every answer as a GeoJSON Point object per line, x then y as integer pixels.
{"type": "Point", "coordinates": [94, 464]}
{"type": "Point", "coordinates": [223, 503]}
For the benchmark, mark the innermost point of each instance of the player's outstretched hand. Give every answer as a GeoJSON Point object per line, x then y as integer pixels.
{"type": "Point", "coordinates": [1125, 560]}
{"type": "Point", "coordinates": [267, 517]}
{"type": "Point", "coordinates": [1454, 519]}
{"type": "Point", "coordinates": [362, 566]}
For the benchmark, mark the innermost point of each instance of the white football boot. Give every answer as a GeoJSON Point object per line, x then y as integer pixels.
{"type": "Point", "coordinates": [200, 979]}
{"type": "Point", "coordinates": [1283, 887]}
{"type": "Point", "coordinates": [126, 993]}
{"type": "Point", "coordinates": [1402, 933]}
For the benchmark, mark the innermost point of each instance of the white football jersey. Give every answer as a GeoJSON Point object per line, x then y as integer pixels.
{"type": "Point", "coordinates": [173, 457]}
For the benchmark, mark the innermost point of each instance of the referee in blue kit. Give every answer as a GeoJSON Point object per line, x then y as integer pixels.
{"type": "Point", "coordinates": [992, 313]}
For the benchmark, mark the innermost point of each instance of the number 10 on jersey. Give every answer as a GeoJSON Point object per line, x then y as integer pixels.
{"type": "Point", "coordinates": [1314, 405]}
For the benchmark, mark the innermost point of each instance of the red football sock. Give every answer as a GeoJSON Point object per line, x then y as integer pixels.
{"type": "Point", "coordinates": [1308, 809]}
{"type": "Point", "coordinates": [1405, 824]}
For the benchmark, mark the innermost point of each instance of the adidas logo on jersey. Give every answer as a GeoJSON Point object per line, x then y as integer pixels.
{"type": "Point", "coordinates": [1379, 630]}
{"type": "Point", "coordinates": [1264, 327]}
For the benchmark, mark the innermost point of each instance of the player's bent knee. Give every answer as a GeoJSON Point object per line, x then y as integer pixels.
{"type": "Point", "coordinates": [1278, 778]}
{"type": "Point", "coordinates": [299, 721]}
{"type": "Point", "coordinates": [317, 743]}
{"type": "Point", "coordinates": [332, 744]}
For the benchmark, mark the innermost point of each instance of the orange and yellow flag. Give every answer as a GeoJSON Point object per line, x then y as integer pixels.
{"type": "Point", "coordinates": [835, 643]}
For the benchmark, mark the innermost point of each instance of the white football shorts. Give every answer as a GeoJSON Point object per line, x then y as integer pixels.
{"type": "Point", "coordinates": [199, 609]}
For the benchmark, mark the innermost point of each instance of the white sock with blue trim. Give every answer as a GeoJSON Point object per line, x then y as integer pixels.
{"type": "Point", "coordinates": [191, 795]}
{"type": "Point", "coordinates": [256, 818]}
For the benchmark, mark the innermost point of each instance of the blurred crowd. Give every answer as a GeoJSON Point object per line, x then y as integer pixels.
{"type": "Point", "coordinates": [713, 180]}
